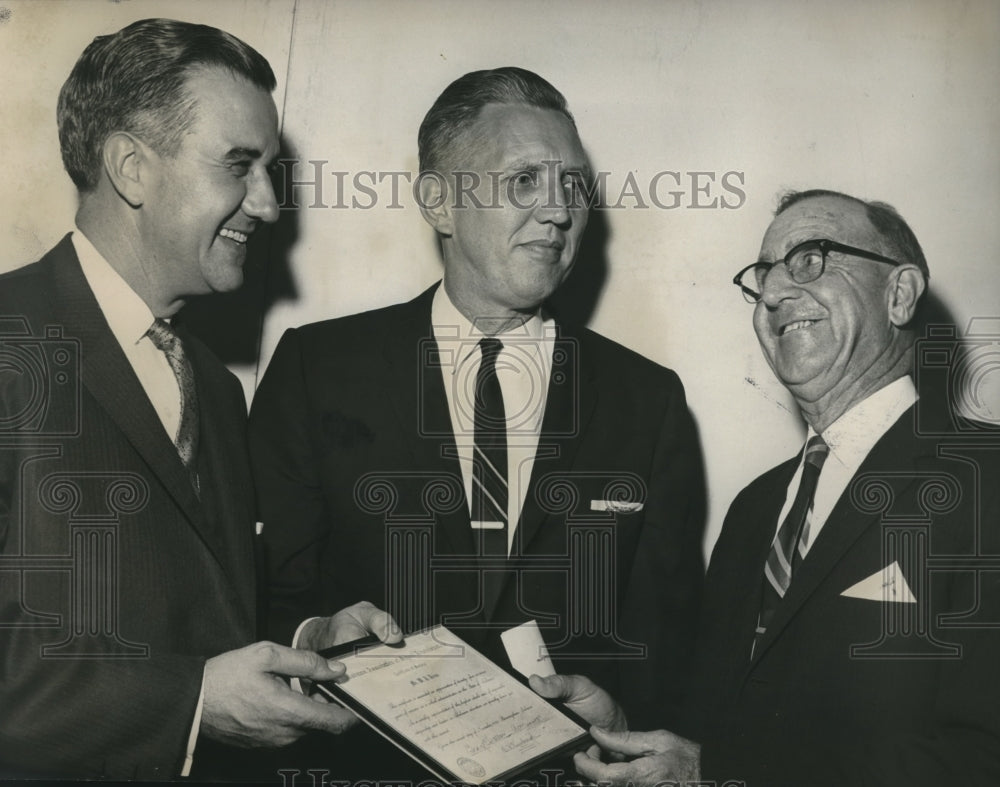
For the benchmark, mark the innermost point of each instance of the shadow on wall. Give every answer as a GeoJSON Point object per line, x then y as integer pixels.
{"type": "Point", "coordinates": [231, 323]}
{"type": "Point", "coordinates": [932, 311]}
{"type": "Point", "coordinates": [957, 371]}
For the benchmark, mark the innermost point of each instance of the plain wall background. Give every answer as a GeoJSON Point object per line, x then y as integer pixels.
{"type": "Point", "coordinates": [889, 100]}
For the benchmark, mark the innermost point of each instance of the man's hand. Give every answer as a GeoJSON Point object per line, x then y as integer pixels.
{"type": "Point", "coordinates": [247, 703]}
{"type": "Point", "coordinates": [584, 697]}
{"type": "Point", "coordinates": [349, 624]}
{"type": "Point", "coordinates": [659, 756]}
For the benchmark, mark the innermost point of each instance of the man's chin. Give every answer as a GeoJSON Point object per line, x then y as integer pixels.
{"type": "Point", "coordinates": [226, 279]}
{"type": "Point", "coordinates": [805, 381]}
{"type": "Point", "coordinates": [529, 298]}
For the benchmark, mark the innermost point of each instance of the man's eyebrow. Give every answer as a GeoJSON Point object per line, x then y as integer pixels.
{"type": "Point", "coordinates": [521, 165]}
{"type": "Point", "coordinates": [240, 154]}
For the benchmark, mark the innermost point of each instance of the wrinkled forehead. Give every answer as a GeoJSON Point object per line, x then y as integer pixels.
{"type": "Point", "coordinates": [523, 130]}
{"type": "Point", "coordinates": [833, 218]}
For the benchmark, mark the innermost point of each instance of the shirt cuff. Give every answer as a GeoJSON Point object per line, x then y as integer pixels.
{"type": "Point", "coordinates": [295, 683]}
{"type": "Point", "coordinates": [195, 726]}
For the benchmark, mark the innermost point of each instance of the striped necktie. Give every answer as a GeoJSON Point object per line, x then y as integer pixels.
{"type": "Point", "coordinates": [489, 459]}
{"type": "Point", "coordinates": [785, 551]}
{"type": "Point", "coordinates": [186, 439]}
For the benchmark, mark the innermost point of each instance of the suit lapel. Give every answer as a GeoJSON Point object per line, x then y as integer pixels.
{"type": "Point", "coordinates": [109, 378]}
{"type": "Point", "coordinates": [751, 555]}
{"type": "Point", "coordinates": [569, 404]}
{"type": "Point", "coordinates": [422, 409]}
{"type": "Point", "coordinates": [223, 454]}
{"type": "Point", "coordinates": [897, 449]}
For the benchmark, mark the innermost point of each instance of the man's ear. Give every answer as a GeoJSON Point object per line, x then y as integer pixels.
{"type": "Point", "coordinates": [432, 192]}
{"type": "Point", "coordinates": [906, 285]}
{"type": "Point", "coordinates": [125, 159]}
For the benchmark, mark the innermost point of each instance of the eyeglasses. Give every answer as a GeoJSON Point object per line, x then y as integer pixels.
{"type": "Point", "coordinates": [805, 262]}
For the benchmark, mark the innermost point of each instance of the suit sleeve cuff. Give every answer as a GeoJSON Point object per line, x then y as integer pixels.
{"type": "Point", "coordinates": [195, 726]}
{"type": "Point", "coordinates": [295, 683]}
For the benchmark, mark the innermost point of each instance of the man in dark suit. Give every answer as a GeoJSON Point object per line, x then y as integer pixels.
{"type": "Point", "coordinates": [126, 502]}
{"type": "Point", "coordinates": [851, 626]}
{"type": "Point", "coordinates": [465, 459]}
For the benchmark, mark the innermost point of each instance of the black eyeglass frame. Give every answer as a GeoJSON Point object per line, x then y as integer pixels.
{"type": "Point", "coordinates": [825, 246]}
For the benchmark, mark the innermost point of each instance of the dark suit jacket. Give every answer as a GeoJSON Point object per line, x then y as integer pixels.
{"type": "Point", "coordinates": [116, 581]}
{"type": "Point", "coordinates": [351, 444]}
{"type": "Point", "coordinates": [853, 691]}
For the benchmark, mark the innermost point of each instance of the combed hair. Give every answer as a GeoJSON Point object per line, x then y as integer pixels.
{"type": "Point", "coordinates": [446, 125]}
{"type": "Point", "coordinates": [883, 217]}
{"type": "Point", "coordinates": [134, 81]}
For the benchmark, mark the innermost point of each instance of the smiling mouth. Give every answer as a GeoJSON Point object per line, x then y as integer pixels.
{"type": "Point", "coordinates": [544, 246]}
{"type": "Point", "coordinates": [794, 326]}
{"type": "Point", "coordinates": [234, 235]}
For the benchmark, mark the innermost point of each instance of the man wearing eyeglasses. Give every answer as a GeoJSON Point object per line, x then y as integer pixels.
{"type": "Point", "coordinates": [847, 636]}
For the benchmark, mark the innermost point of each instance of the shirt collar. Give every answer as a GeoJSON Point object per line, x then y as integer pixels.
{"type": "Point", "coordinates": [127, 314]}
{"type": "Point", "coordinates": [852, 436]}
{"type": "Point", "coordinates": [452, 327]}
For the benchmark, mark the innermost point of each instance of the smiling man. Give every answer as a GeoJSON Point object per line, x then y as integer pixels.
{"type": "Point", "coordinates": [545, 473]}
{"type": "Point", "coordinates": [832, 340]}
{"type": "Point", "coordinates": [126, 503]}
{"type": "Point", "coordinates": [846, 636]}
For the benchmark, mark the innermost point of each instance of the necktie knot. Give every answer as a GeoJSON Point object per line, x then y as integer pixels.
{"type": "Point", "coordinates": [163, 337]}
{"type": "Point", "coordinates": [816, 451]}
{"type": "Point", "coordinates": [489, 408]}
{"type": "Point", "coordinates": [490, 347]}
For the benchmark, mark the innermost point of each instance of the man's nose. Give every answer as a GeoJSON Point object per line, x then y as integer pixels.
{"type": "Point", "coordinates": [260, 202]}
{"type": "Point", "coordinates": [779, 285]}
{"type": "Point", "coordinates": [554, 205]}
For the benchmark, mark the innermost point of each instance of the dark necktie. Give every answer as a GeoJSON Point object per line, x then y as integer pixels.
{"type": "Point", "coordinates": [489, 476]}
{"type": "Point", "coordinates": [186, 439]}
{"type": "Point", "coordinates": [489, 457]}
{"type": "Point", "coordinates": [785, 555]}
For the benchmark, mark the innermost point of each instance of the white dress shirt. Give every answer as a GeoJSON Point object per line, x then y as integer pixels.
{"type": "Point", "coordinates": [850, 438]}
{"type": "Point", "coordinates": [129, 318]}
{"type": "Point", "coordinates": [524, 366]}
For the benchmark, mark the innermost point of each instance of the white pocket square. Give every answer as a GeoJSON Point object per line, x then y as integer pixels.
{"type": "Point", "coordinates": [889, 584]}
{"type": "Point", "coordinates": [616, 506]}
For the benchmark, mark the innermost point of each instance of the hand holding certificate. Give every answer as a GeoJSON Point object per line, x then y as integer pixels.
{"type": "Point", "coordinates": [452, 709]}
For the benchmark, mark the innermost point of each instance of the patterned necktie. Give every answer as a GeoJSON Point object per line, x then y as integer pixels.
{"type": "Point", "coordinates": [186, 439]}
{"type": "Point", "coordinates": [785, 552]}
{"type": "Point", "coordinates": [489, 457]}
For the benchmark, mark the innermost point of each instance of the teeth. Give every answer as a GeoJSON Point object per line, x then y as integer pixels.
{"type": "Point", "coordinates": [239, 237]}
{"type": "Point", "coordinates": [794, 326]}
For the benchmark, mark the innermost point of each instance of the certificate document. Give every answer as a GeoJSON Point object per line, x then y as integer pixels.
{"type": "Point", "coordinates": [452, 709]}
